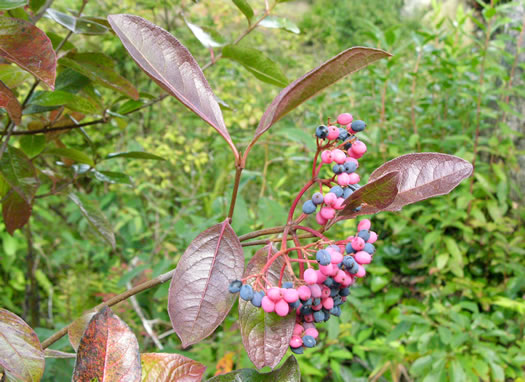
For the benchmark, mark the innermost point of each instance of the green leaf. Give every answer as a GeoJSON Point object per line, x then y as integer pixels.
{"type": "Point", "coordinates": [6, 5]}
{"type": "Point", "coordinates": [129, 106]}
{"type": "Point", "coordinates": [442, 260]}
{"type": "Point", "coordinates": [62, 98]}
{"type": "Point", "coordinates": [76, 24]}
{"type": "Point", "coordinates": [203, 36]}
{"type": "Point", "coordinates": [280, 23]}
{"type": "Point", "coordinates": [32, 145]}
{"type": "Point", "coordinates": [456, 372]}
{"type": "Point", "coordinates": [19, 173]}
{"type": "Point", "coordinates": [94, 215]}
{"type": "Point", "coordinates": [112, 177]}
{"type": "Point", "coordinates": [289, 372]}
{"type": "Point", "coordinates": [135, 155]}
{"type": "Point", "coordinates": [421, 365]}
{"type": "Point", "coordinates": [101, 69]}
{"type": "Point", "coordinates": [13, 76]}
{"type": "Point", "coordinates": [378, 282]}
{"type": "Point", "coordinates": [70, 81]}
{"type": "Point", "coordinates": [245, 8]}
{"type": "Point", "coordinates": [35, 5]}
{"type": "Point", "coordinates": [257, 63]}
{"type": "Point", "coordinates": [76, 155]}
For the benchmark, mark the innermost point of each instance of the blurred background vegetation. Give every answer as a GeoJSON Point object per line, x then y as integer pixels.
{"type": "Point", "coordinates": [444, 299]}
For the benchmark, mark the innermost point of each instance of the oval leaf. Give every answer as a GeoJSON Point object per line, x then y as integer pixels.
{"type": "Point", "coordinates": [280, 23]}
{"type": "Point", "coordinates": [76, 330]}
{"type": "Point", "coordinates": [19, 173]}
{"type": "Point", "coordinates": [377, 195]}
{"type": "Point", "coordinates": [135, 155]}
{"type": "Point", "coordinates": [28, 47]}
{"type": "Point", "coordinates": [108, 351]}
{"type": "Point", "coordinates": [198, 298]}
{"type": "Point", "coordinates": [63, 98]}
{"type": "Point", "coordinates": [423, 176]}
{"type": "Point", "coordinates": [21, 354]}
{"type": "Point", "coordinates": [76, 155]}
{"type": "Point", "coordinates": [76, 24]}
{"type": "Point", "coordinates": [32, 145]}
{"type": "Point", "coordinates": [13, 76]}
{"type": "Point", "coordinates": [164, 367]}
{"type": "Point", "coordinates": [9, 102]}
{"type": "Point", "coordinates": [6, 5]}
{"type": "Point", "coordinates": [313, 82]}
{"type": "Point", "coordinates": [170, 65]}
{"type": "Point", "coordinates": [289, 372]}
{"type": "Point", "coordinates": [266, 337]}
{"type": "Point", "coordinates": [257, 63]}
{"type": "Point", "coordinates": [204, 37]}
{"type": "Point", "coordinates": [245, 8]}
{"type": "Point", "coordinates": [16, 212]}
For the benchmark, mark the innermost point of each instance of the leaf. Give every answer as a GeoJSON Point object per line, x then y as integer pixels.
{"type": "Point", "coordinates": [164, 367]}
{"type": "Point", "coordinates": [316, 80]}
{"type": "Point", "coordinates": [266, 337]}
{"type": "Point", "coordinates": [172, 66]}
{"type": "Point", "coordinates": [279, 23]}
{"type": "Point", "coordinates": [204, 37]}
{"type": "Point", "coordinates": [374, 196]}
{"type": "Point", "coordinates": [76, 330]}
{"type": "Point", "coordinates": [108, 351]}
{"type": "Point", "coordinates": [13, 76]}
{"type": "Point", "coordinates": [28, 47]}
{"type": "Point", "coordinates": [19, 173]}
{"type": "Point", "coordinates": [256, 63]}
{"type": "Point", "coordinates": [63, 98]}
{"type": "Point", "coordinates": [9, 102]}
{"type": "Point", "coordinates": [32, 144]}
{"type": "Point", "coordinates": [423, 176]}
{"type": "Point", "coordinates": [198, 298]}
{"type": "Point", "coordinates": [21, 354]}
{"type": "Point", "coordinates": [101, 69]}
{"type": "Point", "coordinates": [135, 155]}
{"type": "Point", "coordinates": [16, 212]}
{"type": "Point", "coordinates": [245, 8]}
{"type": "Point", "coordinates": [76, 155]}
{"type": "Point", "coordinates": [112, 177]}
{"type": "Point", "coordinates": [289, 372]}
{"type": "Point", "coordinates": [6, 5]}
{"type": "Point", "coordinates": [76, 24]}
{"type": "Point", "coordinates": [51, 353]}
{"type": "Point", "coordinates": [95, 217]}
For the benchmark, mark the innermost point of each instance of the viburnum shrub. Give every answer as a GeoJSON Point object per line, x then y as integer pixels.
{"type": "Point", "coordinates": [292, 283]}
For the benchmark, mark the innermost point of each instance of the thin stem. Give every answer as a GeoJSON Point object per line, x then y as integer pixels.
{"type": "Point", "coordinates": [266, 231]}
{"type": "Point", "coordinates": [298, 198]}
{"type": "Point", "coordinates": [312, 231]}
{"type": "Point", "coordinates": [10, 129]}
{"type": "Point", "coordinates": [238, 172]}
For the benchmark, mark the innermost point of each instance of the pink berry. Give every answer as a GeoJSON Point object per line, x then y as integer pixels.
{"type": "Point", "coordinates": [326, 269]}
{"type": "Point", "coordinates": [309, 318]}
{"type": "Point", "coordinates": [343, 299]}
{"type": "Point", "coordinates": [282, 308]}
{"type": "Point", "coordinates": [344, 118]}
{"type": "Point", "coordinates": [311, 332]}
{"type": "Point", "coordinates": [326, 156]}
{"type": "Point", "coordinates": [338, 156]}
{"type": "Point", "coordinates": [316, 290]}
{"type": "Point", "coordinates": [363, 257]}
{"type": "Point", "coordinates": [348, 280]}
{"type": "Point", "coordinates": [327, 213]}
{"type": "Point", "coordinates": [335, 269]}
{"type": "Point", "coordinates": [343, 179]}
{"type": "Point", "coordinates": [298, 329]}
{"type": "Point", "coordinates": [320, 220]}
{"type": "Point", "coordinates": [317, 307]}
{"type": "Point", "coordinates": [304, 292]}
{"type": "Point", "coordinates": [373, 237]}
{"type": "Point", "coordinates": [328, 303]}
{"type": "Point", "coordinates": [290, 295]}
{"type": "Point", "coordinates": [364, 225]}
{"type": "Point", "coordinates": [308, 325]}
{"type": "Point", "coordinates": [336, 257]}
{"type": "Point", "coordinates": [350, 159]}
{"type": "Point", "coordinates": [274, 294]}
{"type": "Point", "coordinates": [340, 276]}
{"type": "Point", "coordinates": [333, 133]}
{"type": "Point", "coordinates": [353, 178]}
{"type": "Point", "coordinates": [310, 277]}
{"type": "Point", "coordinates": [358, 149]}
{"type": "Point", "coordinates": [267, 304]}
{"type": "Point", "coordinates": [361, 272]}
{"type": "Point", "coordinates": [325, 292]}
{"type": "Point", "coordinates": [339, 204]}
{"type": "Point", "coordinates": [358, 244]}
{"type": "Point", "coordinates": [321, 277]}
{"type": "Point", "coordinates": [330, 199]}
{"type": "Point", "coordinates": [296, 342]}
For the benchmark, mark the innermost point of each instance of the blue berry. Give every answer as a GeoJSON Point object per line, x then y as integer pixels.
{"type": "Point", "coordinates": [318, 198]}
{"type": "Point", "coordinates": [348, 191]}
{"type": "Point", "coordinates": [299, 350]}
{"type": "Point", "coordinates": [318, 316]}
{"type": "Point", "coordinates": [337, 190]}
{"type": "Point", "coordinates": [288, 285]}
{"type": "Point", "coordinates": [317, 301]}
{"type": "Point", "coordinates": [364, 234]}
{"type": "Point", "coordinates": [323, 257]}
{"type": "Point", "coordinates": [358, 125]}
{"type": "Point", "coordinates": [357, 209]}
{"type": "Point", "coordinates": [247, 292]}
{"type": "Point", "coordinates": [344, 292]}
{"type": "Point", "coordinates": [309, 341]}
{"type": "Point", "coordinates": [334, 292]}
{"type": "Point", "coordinates": [338, 169]}
{"type": "Point", "coordinates": [349, 249]}
{"type": "Point", "coordinates": [295, 304]}
{"type": "Point", "coordinates": [369, 248]}
{"type": "Point", "coordinates": [235, 286]}
{"type": "Point", "coordinates": [329, 282]}
{"type": "Point", "coordinates": [336, 311]}
{"type": "Point", "coordinates": [309, 207]}
{"type": "Point", "coordinates": [348, 262]}
{"type": "Point", "coordinates": [350, 167]}
{"type": "Point", "coordinates": [337, 300]}
{"type": "Point", "coordinates": [257, 299]}
{"type": "Point", "coordinates": [347, 146]}
{"type": "Point", "coordinates": [307, 302]}
{"type": "Point", "coordinates": [321, 132]}
{"type": "Point", "coordinates": [343, 134]}
{"type": "Point", "coordinates": [306, 310]}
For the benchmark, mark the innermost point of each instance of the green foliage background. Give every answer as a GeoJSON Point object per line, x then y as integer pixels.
{"type": "Point", "coordinates": [443, 299]}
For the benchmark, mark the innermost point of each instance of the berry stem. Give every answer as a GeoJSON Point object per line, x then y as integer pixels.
{"type": "Point", "coordinates": [312, 231]}
{"type": "Point", "coordinates": [299, 254]}
{"type": "Point", "coordinates": [298, 198]}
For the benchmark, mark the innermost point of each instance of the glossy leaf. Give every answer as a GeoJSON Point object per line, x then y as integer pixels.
{"type": "Point", "coordinates": [205, 38]}
{"type": "Point", "coordinates": [21, 354]}
{"type": "Point", "coordinates": [289, 372]}
{"type": "Point", "coordinates": [377, 194]}
{"type": "Point", "coordinates": [170, 65]}
{"type": "Point", "coordinates": [76, 155]}
{"type": "Point", "coordinates": [15, 211]}
{"type": "Point", "coordinates": [134, 155]}
{"type": "Point", "coordinates": [76, 330]}
{"type": "Point", "coordinates": [76, 24]}
{"type": "Point", "coordinates": [165, 367]}
{"type": "Point", "coordinates": [19, 173]}
{"type": "Point", "coordinates": [423, 176]}
{"type": "Point", "coordinates": [198, 297]}
{"type": "Point", "coordinates": [257, 63]}
{"type": "Point", "coordinates": [245, 8]}
{"type": "Point", "coordinates": [101, 69]}
{"type": "Point", "coordinates": [112, 177]}
{"type": "Point", "coordinates": [266, 337]}
{"type": "Point", "coordinates": [6, 5]}
{"type": "Point", "coordinates": [280, 23]}
{"type": "Point", "coordinates": [63, 98]}
{"type": "Point", "coordinates": [33, 144]}
{"type": "Point", "coordinates": [95, 217]}
{"type": "Point", "coordinates": [9, 102]}
{"type": "Point", "coordinates": [28, 47]}
{"type": "Point", "coordinates": [13, 76]}
{"type": "Point", "coordinates": [316, 80]}
{"type": "Point", "coordinates": [108, 351]}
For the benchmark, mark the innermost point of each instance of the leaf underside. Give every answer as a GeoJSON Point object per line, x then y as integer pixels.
{"type": "Point", "coordinates": [164, 367]}
{"type": "Point", "coordinates": [289, 372]}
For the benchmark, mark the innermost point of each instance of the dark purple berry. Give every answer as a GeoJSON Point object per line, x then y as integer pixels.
{"type": "Point", "coordinates": [235, 286]}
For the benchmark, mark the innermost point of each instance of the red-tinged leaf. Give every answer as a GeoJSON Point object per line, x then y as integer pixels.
{"type": "Point", "coordinates": [423, 176]}
{"type": "Point", "coordinates": [15, 211]}
{"type": "Point", "coordinates": [28, 47]}
{"type": "Point", "coordinates": [164, 367]}
{"type": "Point", "coordinates": [9, 102]}
{"type": "Point", "coordinates": [266, 337]}
{"type": "Point", "coordinates": [19, 173]}
{"type": "Point", "coordinates": [108, 351]}
{"type": "Point", "coordinates": [316, 80]}
{"type": "Point", "coordinates": [51, 353]}
{"type": "Point", "coordinates": [198, 298]}
{"type": "Point", "coordinates": [376, 194]}
{"type": "Point", "coordinates": [170, 65]}
{"type": "Point", "coordinates": [78, 327]}
{"type": "Point", "coordinates": [21, 354]}
{"type": "Point", "coordinates": [289, 372]}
